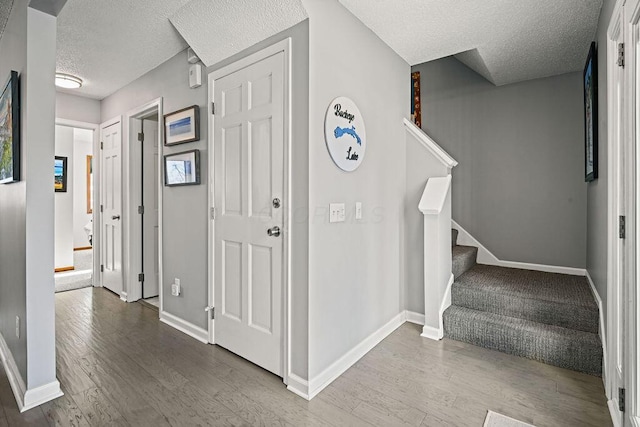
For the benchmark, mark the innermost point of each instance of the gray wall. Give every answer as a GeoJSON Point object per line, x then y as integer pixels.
{"type": "Point", "coordinates": [597, 194]}
{"type": "Point", "coordinates": [185, 208]}
{"type": "Point", "coordinates": [519, 188]}
{"type": "Point", "coordinates": [77, 108]}
{"type": "Point", "coordinates": [185, 253]}
{"type": "Point", "coordinates": [26, 246]}
{"type": "Point", "coordinates": [355, 266]}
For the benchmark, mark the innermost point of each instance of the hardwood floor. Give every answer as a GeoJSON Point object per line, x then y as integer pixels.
{"type": "Point", "coordinates": [157, 376]}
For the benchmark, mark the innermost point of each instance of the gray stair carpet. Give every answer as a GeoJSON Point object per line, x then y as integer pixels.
{"type": "Point", "coordinates": [553, 299]}
{"type": "Point", "coordinates": [548, 317]}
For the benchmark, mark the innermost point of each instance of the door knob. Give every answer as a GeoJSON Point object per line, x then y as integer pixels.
{"type": "Point", "coordinates": [274, 231]}
{"type": "Point", "coordinates": [115, 217]}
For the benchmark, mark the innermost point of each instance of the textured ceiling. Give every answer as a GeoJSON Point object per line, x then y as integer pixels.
{"type": "Point", "coordinates": [218, 29]}
{"type": "Point", "coordinates": [111, 43]}
{"type": "Point", "coordinates": [506, 41]}
{"type": "Point", "coordinates": [5, 11]}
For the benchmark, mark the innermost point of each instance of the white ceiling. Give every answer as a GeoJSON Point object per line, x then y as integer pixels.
{"type": "Point", "coordinates": [506, 41]}
{"type": "Point", "coordinates": [5, 11]}
{"type": "Point", "coordinates": [110, 43]}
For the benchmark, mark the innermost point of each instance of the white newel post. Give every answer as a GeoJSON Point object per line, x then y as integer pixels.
{"type": "Point", "coordinates": [435, 205]}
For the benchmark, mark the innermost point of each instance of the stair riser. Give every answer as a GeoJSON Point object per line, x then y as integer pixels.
{"type": "Point", "coordinates": [580, 352]}
{"type": "Point", "coordinates": [547, 312]}
{"type": "Point", "coordinates": [454, 237]}
{"type": "Point", "coordinates": [463, 261]}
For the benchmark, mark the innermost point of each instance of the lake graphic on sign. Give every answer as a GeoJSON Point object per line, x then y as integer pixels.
{"type": "Point", "coordinates": [339, 132]}
{"type": "Point", "coordinates": [180, 127]}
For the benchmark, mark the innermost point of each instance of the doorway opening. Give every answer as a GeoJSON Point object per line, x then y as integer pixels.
{"type": "Point", "coordinates": [74, 205]}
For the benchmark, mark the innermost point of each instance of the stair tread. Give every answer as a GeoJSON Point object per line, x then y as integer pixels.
{"type": "Point", "coordinates": [529, 284]}
{"type": "Point", "coordinates": [555, 345]}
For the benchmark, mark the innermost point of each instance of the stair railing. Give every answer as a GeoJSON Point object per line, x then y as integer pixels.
{"type": "Point", "coordinates": [435, 205]}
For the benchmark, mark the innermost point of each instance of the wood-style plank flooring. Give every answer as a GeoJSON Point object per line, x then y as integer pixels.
{"type": "Point", "coordinates": [157, 376]}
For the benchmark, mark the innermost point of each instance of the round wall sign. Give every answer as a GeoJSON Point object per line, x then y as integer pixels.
{"type": "Point", "coordinates": [344, 134]}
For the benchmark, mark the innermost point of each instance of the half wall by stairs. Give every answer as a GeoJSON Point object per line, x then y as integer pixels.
{"type": "Point", "coordinates": [549, 317]}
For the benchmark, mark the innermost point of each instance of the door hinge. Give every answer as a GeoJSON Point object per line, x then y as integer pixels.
{"type": "Point", "coordinates": [213, 213]}
{"type": "Point", "coordinates": [622, 228]}
{"type": "Point", "coordinates": [621, 55]}
{"type": "Point", "coordinates": [140, 136]}
{"type": "Point", "coordinates": [101, 208]}
{"type": "Point", "coordinates": [621, 403]}
{"type": "Point", "coordinates": [141, 277]}
{"type": "Point", "coordinates": [101, 145]}
{"type": "Point", "coordinates": [212, 311]}
{"type": "Point", "coordinates": [213, 108]}
{"type": "Point", "coordinates": [101, 268]}
{"type": "Point", "coordinates": [141, 210]}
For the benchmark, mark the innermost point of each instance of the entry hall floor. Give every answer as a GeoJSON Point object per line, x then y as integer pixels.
{"type": "Point", "coordinates": [118, 365]}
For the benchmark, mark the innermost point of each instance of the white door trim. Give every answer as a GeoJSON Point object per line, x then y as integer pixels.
{"type": "Point", "coordinates": [282, 46]}
{"type": "Point", "coordinates": [131, 195]}
{"type": "Point", "coordinates": [95, 243]}
{"type": "Point", "coordinates": [97, 224]}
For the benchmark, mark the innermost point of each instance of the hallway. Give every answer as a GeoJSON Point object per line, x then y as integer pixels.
{"type": "Point", "coordinates": [158, 376]}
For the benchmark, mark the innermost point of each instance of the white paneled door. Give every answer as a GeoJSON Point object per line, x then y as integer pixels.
{"type": "Point", "coordinates": [249, 200]}
{"type": "Point", "coordinates": [111, 202]}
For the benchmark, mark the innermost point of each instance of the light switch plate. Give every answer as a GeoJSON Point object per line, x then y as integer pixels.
{"type": "Point", "coordinates": [336, 212]}
{"type": "Point", "coordinates": [358, 210]}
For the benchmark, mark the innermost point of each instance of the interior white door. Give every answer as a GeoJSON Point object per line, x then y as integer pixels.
{"type": "Point", "coordinates": [250, 201]}
{"type": "Point", "coordinates": [150, 176]}
{"type": "Point", "coordinates": [619, 208]}
{"type": "Point", "coordinates": [111, 201]}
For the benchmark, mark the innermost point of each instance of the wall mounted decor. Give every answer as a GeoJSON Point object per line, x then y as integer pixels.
{"type": "Point", "coordinates": [89, 184]}
{"type": "Point", "coordinates": [182, 126]}
{"type": "Point", "coordinates": [344, 134]}
{"type": "Point", "coordinates": [10, 130]}
{"type": "Point", "coordinates": [60, 174]}
{"type": "Point", "coordinates": [590, 81]}
{"type": "Point", "coordinates": [416, 110]}
{"type": "Point", "coordinates": [182, 168]}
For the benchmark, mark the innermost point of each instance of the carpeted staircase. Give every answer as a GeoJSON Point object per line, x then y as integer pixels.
{"type": "Point", "coordinates": [549, 317]}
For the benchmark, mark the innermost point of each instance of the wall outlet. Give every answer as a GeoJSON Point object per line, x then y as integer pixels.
{"type": "Point", "coordinates": [175, 288]}
{"type": "Point", "coordinates": [336, 212]}
{"type": "Point", "coordinates": [358, 210]}
{"type": "Point", "coordinates": [17, 327]}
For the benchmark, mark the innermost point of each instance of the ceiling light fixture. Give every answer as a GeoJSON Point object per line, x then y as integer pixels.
{"type": "Point", "coordinates": [68, 81]}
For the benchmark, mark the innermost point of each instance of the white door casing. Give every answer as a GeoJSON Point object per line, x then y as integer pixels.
{"type": "Point", "coordinates": [111, 202]}
{"type": "Point", "coordinates": [150, 231]}
{"type": "Point", "coordinates": [248, 175]}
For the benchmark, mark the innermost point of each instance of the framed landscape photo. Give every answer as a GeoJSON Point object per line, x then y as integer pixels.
{"type": "Point", "coordinates": [10, 130]}
{"type": "Point", "coordinates": [60, 174]}
{"type": "Point", "coordinates": [590, 81]}
{"type": "Point", "coordinates": [182, 168]}
{"type": "Point", "coordinates": [182, 126]}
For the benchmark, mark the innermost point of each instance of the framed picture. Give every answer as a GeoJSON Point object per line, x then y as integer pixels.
{"type": "Point", "coordinates": [89, 184]}
{"type": "Point", "coordinates": [182, 126]}
{"type": "Point", "coordinates": [182, 168]}
{"type": "Point", "coordinates": [10, 130]}
{"type": "Point", "coordinates": [590, 81]}
{"type": "Point", "coordinates": [60, 174]}
{"type": "Point", "coordinates": [416, 110]}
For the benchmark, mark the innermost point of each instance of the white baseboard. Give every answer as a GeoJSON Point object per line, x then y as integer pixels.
{"type": "Point", "coordinates": [613, 411]}
{"type": "Point", "coordinates": [486, 257]}
{"type": "Point", "coordinates": [432, 333]}
{"type": "Point", "coordinates": [123, 296]}
{"type": "Point", "coordinates": [317, 384]}
{"type": "Point", "coordinates": [26, 399]}
{"type": "Point", "coordinates": [603, 336]}
{"type": "Point", "coordinates": [413, 317]}
{"type": "Point", "coordinates": [188, 328]}
{"type": "Point", "coordinates": [298, 386]}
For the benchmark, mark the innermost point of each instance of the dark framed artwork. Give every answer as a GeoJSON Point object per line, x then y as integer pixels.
{"type": "Point", "coordinates": [182, 168]}
{"type": "Point", "coordinates": [60, 174]}
{"type": "Point", "coordinates": [182, 126]}
{"type": "Point", "coordinates": [416, 110]}
{"type": "Point", "coordinates": [590, 81]}
{"type": "Point", "coordinates": [10, 130]}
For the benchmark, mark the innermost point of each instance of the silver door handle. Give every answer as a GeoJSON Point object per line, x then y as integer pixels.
{"type": "Point", "coordinates": [274, 231]}
{"type": "Point", "coordinates": [115, 217]}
